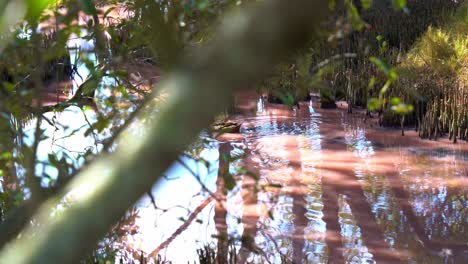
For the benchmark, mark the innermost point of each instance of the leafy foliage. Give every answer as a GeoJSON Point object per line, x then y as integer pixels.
{"type": "Point", "coordinates": [106, 81]}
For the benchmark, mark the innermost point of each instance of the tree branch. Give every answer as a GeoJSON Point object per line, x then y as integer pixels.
{"type": "Point", "coordinates": [245, 49]}
{"type": "Point", "coordinates": [181, 228]}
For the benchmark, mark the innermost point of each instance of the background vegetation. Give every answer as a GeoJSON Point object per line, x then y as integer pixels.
{"type": "Point", "coordinates": [408, 61]}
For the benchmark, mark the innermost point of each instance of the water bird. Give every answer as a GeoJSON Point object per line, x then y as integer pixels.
{"type": "Point", "coordinates": [226, 127]}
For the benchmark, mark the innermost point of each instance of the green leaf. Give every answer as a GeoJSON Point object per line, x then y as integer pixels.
{"type": "Point", "coordinates": [399, 4]}
{"type": "Point", "coordinates": [88, 7]}
{"type": "Point", "coordinates": [374, 104]}
{"type": "Point", "coordinates": [101, 124]}
{"type": "Point", "coordinates": [366, 4]}
{"type": "Point", "coordinates": [395, 101]}
{"type": "Point", "coordinates": [381, 65]}
{"type": "Point", "coordinates": [371, 83]}
{"type": "Point", "coordinates": [6, 156]}
{"type": "Point", "coordinates": [89, 87]}
{"type": "Point", "coordinates": [35, 8]}
{"type": "Point", "coordinates": [402, 108]}
{"type": "Point", "coordinates": [270, 214]}
{"type": "Point", "coordinates": [120, 73]}
{"type": "Point", "coordinates": [87, 108]}
{"type": "Point", "coordinates": [203, 5]}
{"type": "Point", "coordinates": [229, 182]}
{"type": "Point", "coordinates": [356, 20]}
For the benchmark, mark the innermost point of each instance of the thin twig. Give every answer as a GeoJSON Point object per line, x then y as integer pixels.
{"type": "Point", "coordinates": [92, 130]}
{"type": "Point", "coordinates": [182, 228]}
{"type": "Point", "coordinates": [197, 177]}
{"type": "Point", "coordinates": [156, 207]}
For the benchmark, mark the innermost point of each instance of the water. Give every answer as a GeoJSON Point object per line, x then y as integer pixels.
{"type": "Point", "coordinates": [329, 188]}
{"type": "Point", "coordinates": [309, 186]}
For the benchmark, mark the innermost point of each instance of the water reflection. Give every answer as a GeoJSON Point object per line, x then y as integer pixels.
{"type": "Point", "coordinates": [297, 186]}
{"type": "Point", "coordinates": [318, 186]}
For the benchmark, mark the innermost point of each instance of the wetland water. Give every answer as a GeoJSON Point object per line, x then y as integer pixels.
{"type": "Point", "coordinates": [309, 186]}
{"type": "Point", "coordinates": [322, 186]}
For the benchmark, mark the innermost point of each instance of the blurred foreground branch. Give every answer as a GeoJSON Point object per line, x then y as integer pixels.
{"type": "Point", "coordinates": [246, 47]}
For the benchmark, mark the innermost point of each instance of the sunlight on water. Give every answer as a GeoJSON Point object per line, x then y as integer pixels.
{"type": "Point", "coordinates": [329, 188]}
{"type": "Point", "coordinates": [292, 149]}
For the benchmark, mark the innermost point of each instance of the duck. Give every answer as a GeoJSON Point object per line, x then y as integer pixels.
{"type": "Point", "coordinates": [226, 127]}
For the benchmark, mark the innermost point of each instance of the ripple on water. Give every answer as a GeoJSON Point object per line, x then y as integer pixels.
{"type": "Point", "coordinates": [413, 194]}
